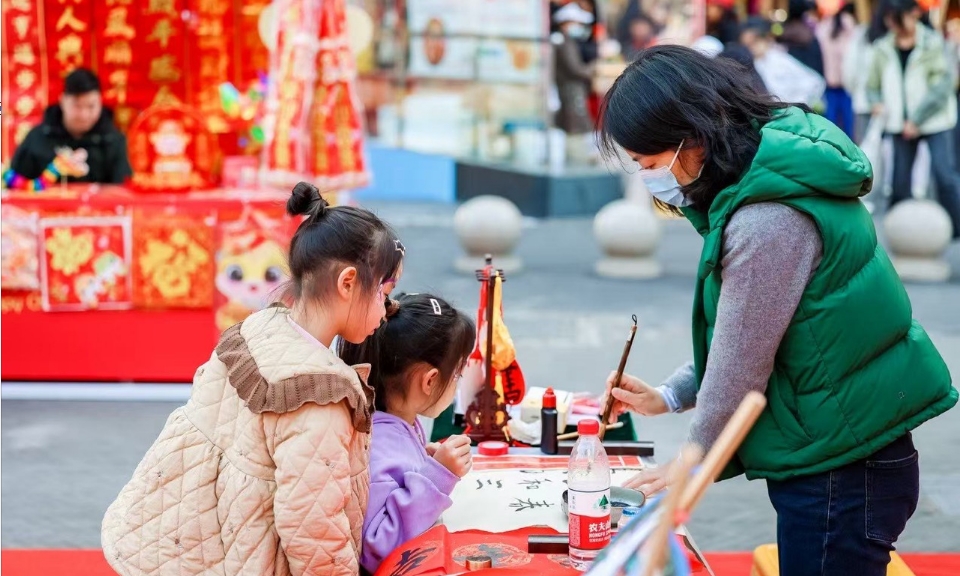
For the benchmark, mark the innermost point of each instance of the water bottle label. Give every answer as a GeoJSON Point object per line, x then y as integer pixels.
{"type": "Point", "coordinates": [589, 519]}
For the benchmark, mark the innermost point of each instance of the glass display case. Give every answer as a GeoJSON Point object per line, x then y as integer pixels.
{"type": "Point", "coordinates": [468, 78]}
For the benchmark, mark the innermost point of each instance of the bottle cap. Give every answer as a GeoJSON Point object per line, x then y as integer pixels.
{"type": "Point", "coordinates": [588, 427]}
{"type": "Point", "coordinates": [493, 448]}
{"type": "Point", "coordinates": [549, 399]}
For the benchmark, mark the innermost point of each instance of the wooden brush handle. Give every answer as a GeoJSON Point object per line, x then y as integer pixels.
{"type": "Point", "coordinates": [608, 406]}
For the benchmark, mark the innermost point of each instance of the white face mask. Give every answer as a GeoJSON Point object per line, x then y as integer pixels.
{"type": "Point", "coordinates": [663, 185]}
{"type": "Point", "coordinates": [578, 31]}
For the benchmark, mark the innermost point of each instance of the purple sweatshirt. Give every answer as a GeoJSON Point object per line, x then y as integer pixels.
{"type": "Point", "coordinates": [408, 489]}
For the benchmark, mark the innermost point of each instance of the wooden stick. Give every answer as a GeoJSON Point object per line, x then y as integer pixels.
{"type": "Point", "coordinates": [659, 541]}
{"type": "Point", "coordinates": [608, 407]}
{"type": "Point", "coordinates": [727, 443]}
{"type": "Point", "coordinates": [572, 435]}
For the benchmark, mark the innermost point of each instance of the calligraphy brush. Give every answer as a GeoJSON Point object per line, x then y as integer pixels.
{"type": "Point", "coordinates": [608, 407]}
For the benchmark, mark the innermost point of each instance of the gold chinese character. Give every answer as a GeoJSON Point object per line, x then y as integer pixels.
{"type": "Point", "coordinates": [161, 7]}
{"type": "Point", "coordinates": [119, 77]}
{"type": "Point", "coordinates": [117, 24]}
{"type": "Point", "coordinates": [23, 54]}
{"type": "Point", "coordinates": [217, 7]}
{"type": "Point", "coordinates": [162, 32]}
{"type": "Point", "coordinates": [211, 27]}
{"type": "Point", "coordinates": [21, 24]}
{"type": "Point", "coordinates": [65, 1]}
{"type": "Point", "coordinates": [69, 51]}
{"type": "Point", "coordinates": [68, 19]}
{"type": "Point", "coordinates": [118, 86]}
{"type": "Point", "coordinates": [210, 66]}
{"type": "Point", "coordinates": [118, 52]}
{"type": "Point", "coordinates": [164, 69]}
{"type": "Point", "coordinates": [119, 2]}
{"type": "Point", "coordinates": [165, 97]}
{"type": "Point", "coordinates": [25, 105]}
{"type": "Point", "coordinates": [21, 5]}
{"type": "Point", "coordinates": [26, 79]}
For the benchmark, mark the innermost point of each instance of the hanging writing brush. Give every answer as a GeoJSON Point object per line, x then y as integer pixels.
{"type": "Point", "coordinates": [608, 407]}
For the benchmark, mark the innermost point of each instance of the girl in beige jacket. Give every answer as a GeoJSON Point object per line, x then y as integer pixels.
{"type": "Point", "coordinates": [265, 470]}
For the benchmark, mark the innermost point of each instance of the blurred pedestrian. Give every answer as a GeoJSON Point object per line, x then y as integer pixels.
{"type": "Point", "coordinates": [912, 86]}
{"type": "Point", "coordinates": [835, 34]}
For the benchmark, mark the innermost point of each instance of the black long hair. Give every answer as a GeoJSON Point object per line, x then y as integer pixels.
{"type": "Point", "coordinates": [895, 10]}
{"type": "Point", "coordinates": [837, 29]}
{"type": "Point", "coordinates": [421, 330]}
{"type": "Point", "coordinates": [673, 94]}
{"type": "Point", "coordinates": [333, 237]}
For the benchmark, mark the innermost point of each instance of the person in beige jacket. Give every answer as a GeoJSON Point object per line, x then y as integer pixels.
{"type": "Point", "coordinates": [265, 470]}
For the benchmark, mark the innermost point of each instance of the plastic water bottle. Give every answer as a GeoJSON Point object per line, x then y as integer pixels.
{"type": "Point", "coordinates": [588, 500]}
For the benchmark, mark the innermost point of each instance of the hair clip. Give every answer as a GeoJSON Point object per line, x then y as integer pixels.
{"type": "Point", "coordinates": [399, 247]}
{"type": "Point", "coordinates": [436, 307]}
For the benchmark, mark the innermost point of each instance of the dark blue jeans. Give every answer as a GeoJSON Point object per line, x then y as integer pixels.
{"type": "Point", "coordinates": [845, 521]}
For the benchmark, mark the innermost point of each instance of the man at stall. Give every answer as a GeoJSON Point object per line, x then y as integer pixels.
{"type": "Point", "coordinates": [77, 139]}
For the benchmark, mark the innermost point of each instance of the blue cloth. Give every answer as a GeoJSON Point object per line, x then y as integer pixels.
{"type": "Point", "coordinates": [840, 109]}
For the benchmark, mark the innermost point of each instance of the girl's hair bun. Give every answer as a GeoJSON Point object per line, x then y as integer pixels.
{"type": "Point", "coordinates": [305, 199]}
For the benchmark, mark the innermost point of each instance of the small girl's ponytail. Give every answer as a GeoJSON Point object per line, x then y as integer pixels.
{"type": "Point", "coordinates": [332, 238]}
{"type": "Point", "coordinates": [306, 200]}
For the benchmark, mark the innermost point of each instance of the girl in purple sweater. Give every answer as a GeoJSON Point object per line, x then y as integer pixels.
{"type": "Point", "coordinates": [416, 358]}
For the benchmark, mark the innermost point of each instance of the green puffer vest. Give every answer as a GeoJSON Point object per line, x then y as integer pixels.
{"type": "Point", "coordinates": [854, 371]}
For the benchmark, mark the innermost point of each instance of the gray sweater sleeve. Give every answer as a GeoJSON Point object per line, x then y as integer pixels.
{"type": "Point", "coordinates": [770, 251]}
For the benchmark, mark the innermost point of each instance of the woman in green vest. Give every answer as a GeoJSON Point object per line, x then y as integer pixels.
{"type": "Point", "coordinates": [794, 298]}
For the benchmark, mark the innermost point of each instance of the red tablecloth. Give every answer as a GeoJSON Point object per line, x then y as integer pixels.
{"type": "Point", "coordinates": [438, 552]}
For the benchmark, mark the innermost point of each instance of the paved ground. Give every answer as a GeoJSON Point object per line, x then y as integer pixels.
{"type": "Point", "coordinates": [67, 460]}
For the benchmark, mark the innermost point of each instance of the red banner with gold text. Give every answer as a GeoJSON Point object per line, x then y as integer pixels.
{"type": "Point", "coordinates": [69, 26]}
{"type": "Point", "coordinates": [24, 69]}
{"type": "Point", "coordinates": [214, 19]}
{"type": "Point", "coordinates": [162, 53]}
{"type": "Point", "coordinates": [116, 29]}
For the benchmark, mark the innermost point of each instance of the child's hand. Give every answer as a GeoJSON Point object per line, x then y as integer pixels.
{"type": "Point", "coordinates": [432, 448]}
{"type": "Point", "coordinates": [454, 455]}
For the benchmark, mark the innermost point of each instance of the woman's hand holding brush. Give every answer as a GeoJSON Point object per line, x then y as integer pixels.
{"type": "Point", "coordinates": [634, 394]}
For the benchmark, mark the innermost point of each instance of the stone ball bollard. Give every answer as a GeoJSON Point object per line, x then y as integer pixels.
{"type": "Point", "coordinates": [628, 232]}
{"type": "Point", "coordinates": [488, 225]}
{"type": "Point", "coordinates": [918, 233]}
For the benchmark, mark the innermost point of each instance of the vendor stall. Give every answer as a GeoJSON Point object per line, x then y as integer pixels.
{"type": "Point", "coordinates": [128, 286]}
{"type": "Point", "coordinates": [221, 113]}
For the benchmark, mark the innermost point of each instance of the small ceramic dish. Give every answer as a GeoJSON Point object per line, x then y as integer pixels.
{"type": "Point", "coordinates": [620, 498]}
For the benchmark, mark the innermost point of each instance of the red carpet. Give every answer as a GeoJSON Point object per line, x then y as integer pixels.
{"type": "Point", "coordinates": [91, 563]}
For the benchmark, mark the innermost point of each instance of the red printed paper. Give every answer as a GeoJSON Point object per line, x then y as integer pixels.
{"type": "Point", "coordinates": [85, 263]}
{"type": "Point", "coordinates": [171, 150]}
{"type": "Point", "coordinates": [251, 265]}
{"type": "Point", "coordinates": [173, 260]}
{"type": "Point", "coordinates": [20, 264]}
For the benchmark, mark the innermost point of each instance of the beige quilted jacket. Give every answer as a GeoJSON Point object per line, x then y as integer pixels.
{"type": "Point", "coordinates": [263, 472]}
